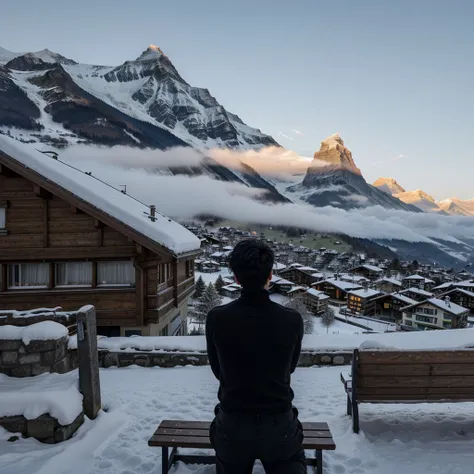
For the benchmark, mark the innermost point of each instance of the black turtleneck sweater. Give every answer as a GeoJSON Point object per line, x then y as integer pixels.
{"type": "Point", "coordinates": [253, 346]}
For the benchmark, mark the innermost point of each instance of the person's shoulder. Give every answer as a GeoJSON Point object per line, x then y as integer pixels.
{"type": "Point", "coordinates": [222, 309]}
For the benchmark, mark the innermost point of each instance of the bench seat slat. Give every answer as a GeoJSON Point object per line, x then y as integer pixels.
{"type": "Point", "coordinates": [414, 370]}
{"type": "Point", "coordinates": [420, 357]}
{"type": "Point", "coordinates": [204, 443]}
{"type": "Point", "coordinates": [205, 425]}
{"type": "Point", "coordinates": [205, 433]}
{"type": "Point", "coordinates": [444, 382]}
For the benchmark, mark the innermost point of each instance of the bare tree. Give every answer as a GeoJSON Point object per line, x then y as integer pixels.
{"type": "Point", "coordinates": [297, 303]}
{"type": "Point", "coordinates": [328, 318]}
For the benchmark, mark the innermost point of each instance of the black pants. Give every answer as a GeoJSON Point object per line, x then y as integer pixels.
{"type": "Point", "coordinates": [276, 440]}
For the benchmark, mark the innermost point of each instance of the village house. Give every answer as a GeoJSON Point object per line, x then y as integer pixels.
{"type": "Point", "coordinates": [316, 301]}
{"type": "Point", "coordinates": [68, 239]}
{"type": "Point", "coordinates": [301, 275]}
{"type": "Point", "coordinates": [351, 278]}
{"type": "Point", "coordinates": [370, 272]}
{"type": "Point", "coordinates": [388, 285]}
{"type": "Point", "coordinates": [296, 291]}
{"type": "Point", "coordinates": [417, 281]}
{"type": "Point", "coordinates": [416, 294]}
{"type": "Point", "coordinates": [389, 307]}
{"type": "Point", "coordinates": [280, 285]}
{"type": "Point", "coordinates": [336, 289]}
{"type": "Point", "coordinates": [435, 313]}
{"type": "Point", "coordinates": [362, 302]}
{"type": "Point", "coordinates": [207, 266]}
{"type": "Point", "coordinates": [233, 290]}
{"type": "Point", "coordinates": [461, 297]}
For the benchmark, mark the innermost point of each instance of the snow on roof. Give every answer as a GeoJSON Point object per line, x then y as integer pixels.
{"type": "Point", "coordinates": [393, 281]}
{"type": "Point", "coordinates": [104, 197]}
{"type": "Point", "coordinates": [342, 285]}
{"type": "Point", "coordinates": [319, 294]}
{"type": "Point", "coordinates": [297, 288]}
{"type": "Point", "coordinates": [403, 298]}
{"type": "Point", "coordinates": [365, 293]}
{"type": "Point", "coordinates": [372, 268]}
{"type": "Point", "coordinates": [282, 281]}
{"type": "Point", "coordinates": [318, 275]}
{"type": "Point", "coordinates": [417, 291]}
{"type": "Point", "coordinates": [461, 290]}
{"type": "Point", "coordinates": [56, 394]}
{"type": "Point", "coordinates": [414, 277]}
{"type": "Point", "coordinates": [295, 265]}
{"type": "Point", "coordinates": [43, 331]}
{"type": "Point", "coordinates": [444, 285]}
{"type": "Point", "coordinates": [278, 266]}
{"type": "Point", "coordinates": [232, 287]}
{"type": "Point", "coordinates": [307, 269]}
{"type": "Point", "coordinates": [448, 307]}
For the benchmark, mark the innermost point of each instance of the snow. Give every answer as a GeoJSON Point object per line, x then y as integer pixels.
{"type": "Point", "coordinates": [417, 291]}
{"type": "Point", "coordinates": [319, 294]}
{"type": "Point", "coordinates": [43, 331]}
{"type": "Point", "coordinates": [371, 323]}
{"type": "Point", "coordinates": [112, 201]}
{"type": "Point", "coordinates": [56, 394]}
{"type": "Point", "coordinates": [450, 307]}
{"type": "Point", "coordinates": [414, 439]}
{"type": "Point", "coordinates": [372, 268]}
{"type": "Point", "coordinates": [6, 55]}
{"type": "Point", "coordinates": [403, 298]}
{"type": "Point", "coordinates": [342, 285]}
{"type": "Point", "coordinates": [365, 293]}
{"type": "Point", "coordinates": [393, 281]}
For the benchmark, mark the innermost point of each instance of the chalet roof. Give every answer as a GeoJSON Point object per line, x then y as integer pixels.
{"type": "Point", "coordinates": [448, 307]}
{"type": "Point", "coordinates": [417, 291]}
{"type": "Point", "coordinates": [97, 198]}
{"type": "Point", "coordinates": [460, 290]}
{"type": "Point", "coordinates": [371, 268]}
{"type": "Point", "coordinates": [444, 285]}
{"type": "Point", "coordinates": [403, 298]}
{"type": "Point", "coordinates": [414, 277]}
{"type": "Point", "coordinates": [393, 281]}
{"type": "Point", "coordinates": [365, 293]}
{"type": "Point", "coordinates": [342, 285]}
{"type": "Point", "coordinates": [319, 294]}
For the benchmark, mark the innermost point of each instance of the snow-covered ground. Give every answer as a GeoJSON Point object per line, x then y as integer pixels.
{"type": "Point", "coordinates": [374, 324]}
{"type": "Point", "coordinates": [413, 439]}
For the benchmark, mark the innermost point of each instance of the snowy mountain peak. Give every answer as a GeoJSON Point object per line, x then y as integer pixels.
{"type": "Point", "coordinates": [388, 185]}
{"type": "Point", "coordinates": [6, 55]}
{"type": "Point", "coordinates": [336, 155]}
{"type": "Point", "coordinates": [152, 52]}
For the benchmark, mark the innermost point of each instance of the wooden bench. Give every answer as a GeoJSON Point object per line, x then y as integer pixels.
{"type": "Point", "coordinates": [176, 434]}
{"type": "Point", "coordinates": [408, 377]}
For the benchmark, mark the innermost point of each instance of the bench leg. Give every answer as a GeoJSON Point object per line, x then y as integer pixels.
{"type": "Point", "coordinates": [319, 462]}
{"type": "Point", "coordinates": [164, 460]}
{"type": "Point", "coordinates": [349, 405]}
{"type": "Point", "coordinates": [355, 417]}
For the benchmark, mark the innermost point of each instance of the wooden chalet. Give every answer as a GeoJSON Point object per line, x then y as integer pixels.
{"type": "Point", "coordinates": [316, 301]}
{"type": "Point", "coordinates": [68, 239]}
{"type": "Point", "coordinates": [362, 302]}
{"type": "Point", "coordinates": [336, 289]}
{"type": "Point", "coordinates": [370, 272]}
{"type": "Point", "coordinates": [461, 297]}
{"type": "Point", "coordinates": [416, 294]}
{"type": "Point", "coordinates": [389, 307]}
{"type": "Point", "coordinates": [435, 313]}
{"type": "Point", "coordinates": [418, 281]}
{"type": "Point", "coordinates": [388, 285]}
{"type": "Point", "coordinates": [233, 291]}
{"type": "Point", "coordinates": [301, 275]}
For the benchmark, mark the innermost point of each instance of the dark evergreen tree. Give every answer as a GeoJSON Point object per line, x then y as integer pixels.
{"type": "Point", "coordinates": [199, 288]}
{"type": "Point", "coordinates": [219, 283]}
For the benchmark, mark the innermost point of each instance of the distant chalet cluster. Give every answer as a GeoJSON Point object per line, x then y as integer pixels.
{"type": "Point", "coordinates": [411, 295]}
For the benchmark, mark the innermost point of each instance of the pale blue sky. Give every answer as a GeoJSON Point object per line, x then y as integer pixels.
{"type": "Point", "coordinates": [394, 77]}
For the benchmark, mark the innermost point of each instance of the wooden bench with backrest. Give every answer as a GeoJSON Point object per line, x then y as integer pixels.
{"type": "Point", "coordinates": [176, 434]}
{"type": "Point", "coordinates": [379, 376]}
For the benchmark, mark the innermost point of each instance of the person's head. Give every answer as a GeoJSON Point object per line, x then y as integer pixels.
{"type": "Point", "coordinates": [251, 261]}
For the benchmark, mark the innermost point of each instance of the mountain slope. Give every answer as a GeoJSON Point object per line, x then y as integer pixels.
{"type": "Point", "coordinates": [148, 89]}
{"type": "Point", "coordinates": [420, 199]}
{"type": "Point", "coordinates": [333, 179]}
{"type": "Point", "coordinates": [457, 206]}
{"type": "Point", "coordinates": [388, 185]}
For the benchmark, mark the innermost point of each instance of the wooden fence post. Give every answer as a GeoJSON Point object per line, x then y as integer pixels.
{"type": "Point", "coordinates": [89, 382]}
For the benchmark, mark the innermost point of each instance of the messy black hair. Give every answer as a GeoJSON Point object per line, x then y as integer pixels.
{"type": "Point", "coordinates": [251, 261]}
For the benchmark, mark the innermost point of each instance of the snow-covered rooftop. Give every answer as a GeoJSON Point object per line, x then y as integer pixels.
{"type": "Point", "coordinates": [393, 281]}
{"type": "Point", "coordinates": [320, 294]}
{"type": "Point", "coordinates": [342, 285]}
{"type": "Point", "coordinates": [448, 306]}
{"type": "Point", "coordinates": [365, 293]}
{"type": "Point", "coordinates": [104, 197]}
{"type": "Point", "coordinates": [403, 298]}
{"type": "Point", "coordinates": [414, 277]}
{"type": "Point", "coordinates": [417, 291]}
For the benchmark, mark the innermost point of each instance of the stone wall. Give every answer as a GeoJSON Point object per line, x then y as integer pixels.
{"type": "Point", "coordinates": [18, 359]}
{"type": "Point", "coordinates": [44, 428]}
{"type": "Point", "coordinates": [176, 358]}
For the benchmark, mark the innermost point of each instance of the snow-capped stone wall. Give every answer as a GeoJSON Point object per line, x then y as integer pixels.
{"type": "Point", "coordinates": [36, 349]}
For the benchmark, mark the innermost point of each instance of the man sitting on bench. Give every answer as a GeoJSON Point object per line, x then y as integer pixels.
{"type": "Point", "coordinates": [253, 346]}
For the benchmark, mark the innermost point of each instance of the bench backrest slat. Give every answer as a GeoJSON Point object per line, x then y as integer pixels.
{"type": "Point", "coordinates": [414, 376]}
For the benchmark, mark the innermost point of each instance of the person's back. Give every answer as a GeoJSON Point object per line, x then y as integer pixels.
{"type": "Point", "coordinates": [253, 347]}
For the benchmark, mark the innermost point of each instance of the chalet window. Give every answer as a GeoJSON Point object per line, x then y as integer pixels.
{"type": "Point", "coordinates": [115, 273]}
{"type": "Point", "coordinates": [165, 271]}
{"type": "Point", "coordinates": [133, 332]}
{"type": "Point", "coordinates": [74, 274]}
{"type": "Point", "coordinates": [3, 217]}
{"type": "Point", "coordinates": [189, 268]}
{"type": "Point", "coordinates": [28, 275]}
{"type": "Point", "coordinates": [164, 331]}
